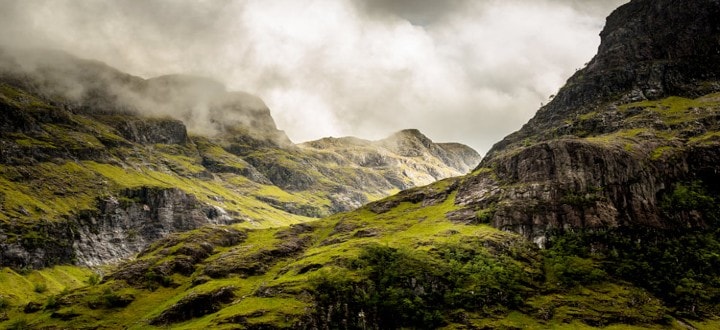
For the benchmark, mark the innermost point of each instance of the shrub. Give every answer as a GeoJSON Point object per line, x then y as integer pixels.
{"type": "Point", "coordinates": [52, 303]}
{"type": "Point", "coordinates": [40, 287]}
{"type": "Point", "coordinates": [153, 280]}
{"type": "Point", "coordinates": [4, 303]}
{"type": "Point", "coordinates": [94, 279]}
{"type": "Point", "coordinates": [20, 324]}
{"type": "Point", "coordinates": [569, 271]}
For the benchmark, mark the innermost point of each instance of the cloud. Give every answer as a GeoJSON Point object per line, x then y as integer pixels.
{"type": "Point", "coordinates": [417, 12]}
{"type": "Point", "coordinates": [458, 70]}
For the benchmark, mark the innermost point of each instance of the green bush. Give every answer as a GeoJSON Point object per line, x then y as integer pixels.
{"type": "Point", "coordinates": [40, 287]}
{"type": "Point", "coordinates": [4, 303]}
{"type": "Point", "coordinates": [20, 324]}
{"type": "Point", "coordinates": [568, 271]}
{"type": "Point", "coordinates": [153, 280]}
{"type": "Point", "coordinates": [51, 303]}
{"type": "Point", "coordinates": [688, 198]}
{"type": "Point", "coordinates": [682, 267]}
{"type": "Point", "coordinates": [94, 279]}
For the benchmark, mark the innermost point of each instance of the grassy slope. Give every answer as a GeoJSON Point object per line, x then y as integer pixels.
{"type": "Point", "coordinates": [284, 290]}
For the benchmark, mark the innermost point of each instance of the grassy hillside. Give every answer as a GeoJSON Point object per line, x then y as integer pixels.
{"type": "Point", "coordinates": [403, 265]}
{"type": "Point", "coordinates": [424, 258]}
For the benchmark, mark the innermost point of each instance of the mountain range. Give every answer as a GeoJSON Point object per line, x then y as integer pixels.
{"type": "Point", "coordinates": [97, 163]}
{"type": "Point", "coordinates": [601, 211]}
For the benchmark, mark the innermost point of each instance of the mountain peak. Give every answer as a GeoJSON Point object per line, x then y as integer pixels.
{"type": "Point", "coordinates": [649, 50]}
{"type": "Point", "coordinates": [411, 132]}
{"type": "Point", "coordinates": [665, 30]}
{"type": "Point", "coordinates": [411, 136]}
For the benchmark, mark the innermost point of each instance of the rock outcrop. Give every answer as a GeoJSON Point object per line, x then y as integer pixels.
{"type": "Point", "coordinates": [648, 50]}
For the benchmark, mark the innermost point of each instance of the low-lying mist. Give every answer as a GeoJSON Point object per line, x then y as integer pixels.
{"type": "Point", "coordinates": [203, 104]}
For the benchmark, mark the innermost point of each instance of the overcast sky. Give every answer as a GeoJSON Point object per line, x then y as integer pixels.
{"type": "Point", "coordinates": [469, 71]}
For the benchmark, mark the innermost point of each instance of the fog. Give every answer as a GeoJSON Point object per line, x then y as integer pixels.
{"type": "Point", "coordinates": [458, 70]}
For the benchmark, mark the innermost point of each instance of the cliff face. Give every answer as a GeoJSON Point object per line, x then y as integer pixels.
{"type": "Point", "coordinates": [621, 137]}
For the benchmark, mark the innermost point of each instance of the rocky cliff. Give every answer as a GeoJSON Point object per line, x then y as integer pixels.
{"type": "Point", "coordinates": [640, 120]}
{"type": "Point", "coordinates": [649, 50]}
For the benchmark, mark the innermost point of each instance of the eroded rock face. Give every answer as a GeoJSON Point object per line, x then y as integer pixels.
{"type": "Point", "coordinates": [121, 228]}
{"type": "Point", "coordinates": [148, 132]}
{"type": "Point", "coordinates": [118, 229]}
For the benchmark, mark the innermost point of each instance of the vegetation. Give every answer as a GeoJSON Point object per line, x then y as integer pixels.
{"type": "Point", "coordinates": [404, 288]}
{"type": "Point", "coordinates": [407, 267]}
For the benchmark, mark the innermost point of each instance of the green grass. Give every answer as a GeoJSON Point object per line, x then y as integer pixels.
{"type": "Point", "coordinates": [707, 138]}
{"type": "Point", "coordinates": [52, 191]}
{"type": "Point", "coordinates": [302, 197]}
{"type": "Point", "coordinates": [20, 99]}
{"type": "Point", "coordinates": [661, 151]}
{"type": "Point", "coordinates": [20, 289]}
{"type": "Point", "coordinates": [617, 137]}
{"type": "Point", "coordinates": [676, 110]}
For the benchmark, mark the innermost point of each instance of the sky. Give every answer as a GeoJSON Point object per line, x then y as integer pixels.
{"type": "Point", "coordinates": [469, 71]}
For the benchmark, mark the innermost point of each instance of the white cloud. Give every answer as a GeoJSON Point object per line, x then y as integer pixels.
{"type": "Point", "coordinates": [470, 72]}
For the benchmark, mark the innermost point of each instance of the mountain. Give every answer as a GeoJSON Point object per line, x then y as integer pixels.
{"type": "Point", "coordinates": [97, 164]}
{"type": "Point", "coordinates": [602, 211]}
{"type": "Point", "coordinates": [638, 122]}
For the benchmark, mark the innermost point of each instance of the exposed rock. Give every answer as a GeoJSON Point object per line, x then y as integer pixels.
{"type": "Point", "coordinates": [195, 305]}
{"type": "Point", "coordinates": [175, 254]}
{"type": "Point", "coordinates": [460, 156]}
{"type": "Point", "coordinates": [36, 245]}
{"type": "Point", "coordinates": [149, 131]}
{"type": "Point", "coordinates": [65, 314]}
{"type": "Point", "coordinates": [123, 227]}
{"type": "Point", "coordinates": [649, 50]}
{"type": "Point", "coordinates": [32, 307]}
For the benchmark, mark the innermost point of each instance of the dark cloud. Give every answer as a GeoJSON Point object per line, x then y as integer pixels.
{"type": "Point", "coordinates": [418, 12]}
{"type": "Point", "coordinates": [459, 70]}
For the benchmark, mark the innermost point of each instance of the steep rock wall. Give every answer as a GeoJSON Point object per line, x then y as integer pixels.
{"type": "Point", "coordinates": [120, 227]}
